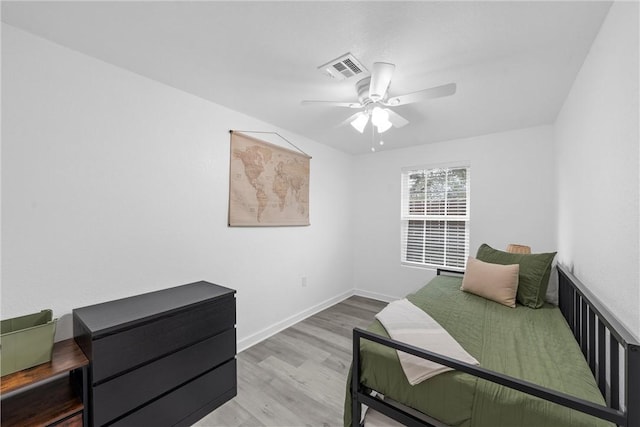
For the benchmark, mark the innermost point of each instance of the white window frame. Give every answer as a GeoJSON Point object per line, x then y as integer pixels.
{"type": "Point", "coordinates": [455, 259]}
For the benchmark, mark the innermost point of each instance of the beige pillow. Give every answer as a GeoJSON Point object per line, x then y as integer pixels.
{"type": "Point", "coordinates": [496, 282]}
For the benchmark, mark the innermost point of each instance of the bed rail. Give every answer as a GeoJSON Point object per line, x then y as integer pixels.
{"type": "Point", "coordinates": [582, 312]}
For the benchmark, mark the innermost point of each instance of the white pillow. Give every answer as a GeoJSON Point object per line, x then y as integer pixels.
{"type": "Point", "coordinates": [496, 282]}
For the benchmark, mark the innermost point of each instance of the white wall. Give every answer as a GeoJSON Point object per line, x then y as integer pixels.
{"type": "Point", "coordinates": [597, 142]}
{"type": "Point", "coordinates": [512, 201]}
{"type": "Point", "coordinates": [114, 185]}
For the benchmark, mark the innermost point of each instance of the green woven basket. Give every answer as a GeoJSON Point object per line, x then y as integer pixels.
{"type": "Point", "coordinates": [26, 341]}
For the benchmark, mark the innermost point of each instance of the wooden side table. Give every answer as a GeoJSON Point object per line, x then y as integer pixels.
{"type": "Point", "coordinates": [58, 401]}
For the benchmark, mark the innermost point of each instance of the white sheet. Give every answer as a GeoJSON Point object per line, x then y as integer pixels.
{"type": "Point", "coordinates": [409, 324]}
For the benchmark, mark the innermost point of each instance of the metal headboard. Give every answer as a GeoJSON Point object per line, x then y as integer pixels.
{"type": "Point", "coordinates": [597, 330]}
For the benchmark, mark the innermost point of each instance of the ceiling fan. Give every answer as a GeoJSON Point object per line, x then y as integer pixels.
{"type": "Point", "coordinates": [374, 100]}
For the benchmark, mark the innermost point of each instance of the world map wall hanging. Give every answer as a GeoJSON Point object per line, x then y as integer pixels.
{"type": "Point", "coordinates": [268, 184]}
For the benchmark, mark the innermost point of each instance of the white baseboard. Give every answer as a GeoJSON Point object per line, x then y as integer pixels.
{"type": "Point", "coordinates": [265, 333]}
{"type": "Point", "coordinates": [374, 295]}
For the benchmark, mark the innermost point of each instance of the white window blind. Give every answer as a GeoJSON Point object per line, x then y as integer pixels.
{"type": "Point", "coordinates": [435, 217]}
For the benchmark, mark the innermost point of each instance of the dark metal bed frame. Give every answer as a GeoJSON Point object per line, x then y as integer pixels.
{"type": "Point", "coordinates": [589, 321]}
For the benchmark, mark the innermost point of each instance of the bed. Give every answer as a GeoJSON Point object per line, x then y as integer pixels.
{"type": "Point", "coordinates": [549, 366]}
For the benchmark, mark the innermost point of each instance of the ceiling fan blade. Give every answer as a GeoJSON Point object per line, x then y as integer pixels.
{"type": "Point", "coordinates": [422, 95]}
{"type": "Point", "coordinates": [381, 74]}
{"type": "Point", "coordinates": [396, 119]}
{"type": "Point", "coordinates": [333, 104]}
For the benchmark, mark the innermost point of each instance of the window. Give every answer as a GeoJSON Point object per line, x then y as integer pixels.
{"type": "Point", "coordinates": [435, 217]}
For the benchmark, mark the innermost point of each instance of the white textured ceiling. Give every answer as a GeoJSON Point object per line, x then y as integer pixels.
{"type": "Point", "coordinates": [513, 62]}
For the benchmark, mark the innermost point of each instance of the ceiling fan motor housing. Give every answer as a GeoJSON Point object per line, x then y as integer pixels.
{"type": "Point", "coordinates": [362, 87]}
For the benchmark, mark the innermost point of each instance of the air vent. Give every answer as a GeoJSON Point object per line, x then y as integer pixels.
{"type": "Point", "coordinates": [344, 67]}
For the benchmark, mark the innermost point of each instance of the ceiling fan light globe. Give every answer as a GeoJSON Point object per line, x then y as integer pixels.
{"type": "Point", "coordinates": [360, 122]}
{"type": "Point", "coordinates": [384, 126]}
{"type": "Point", "coordinates": [379, 116]}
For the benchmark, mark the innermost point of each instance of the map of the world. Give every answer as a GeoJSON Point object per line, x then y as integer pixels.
{"type": "Point", "coordinates": [269, 185]}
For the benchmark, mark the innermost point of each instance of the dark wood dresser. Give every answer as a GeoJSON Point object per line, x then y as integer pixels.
{"type": "Point", "coordinates": [164, 358]}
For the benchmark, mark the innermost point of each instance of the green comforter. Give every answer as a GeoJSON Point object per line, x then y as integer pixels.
{"type": "Point", "coordinates": [531, 344]}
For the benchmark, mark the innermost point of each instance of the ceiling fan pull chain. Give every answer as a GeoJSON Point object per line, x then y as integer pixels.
{"type": "Point", "coordinates": [373, 136]}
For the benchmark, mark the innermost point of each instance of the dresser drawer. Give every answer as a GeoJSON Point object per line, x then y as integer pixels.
{"type": "Point", "coordinates": [126, 392]}
{"type": "Point", "coordinates": [207, 391]}
{"type": "Point", "coordinates": [131, 348]}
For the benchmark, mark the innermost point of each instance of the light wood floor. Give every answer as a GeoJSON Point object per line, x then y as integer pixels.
{"type": "Point", "coordinates": [298, 376]}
